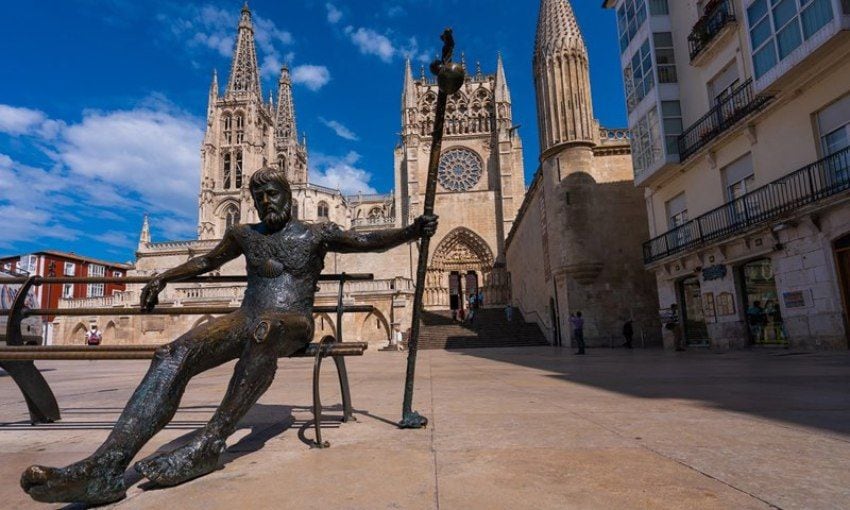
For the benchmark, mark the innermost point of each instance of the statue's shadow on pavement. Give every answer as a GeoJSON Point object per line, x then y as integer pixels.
{"type": "Point", "coordinates": [264, 422]}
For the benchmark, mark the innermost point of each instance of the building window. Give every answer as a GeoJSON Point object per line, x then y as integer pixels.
{"type": "Point", "coordinates": [323, 212]}
{"type": "Point", "coordinates": [240, 129]}
{"type": "Point", "coordinates": [646, 142]}
{"type": "Point", "coordinates": [231, 216]}
{"type": "Point", "coordinates": [639, 78]}
{"type": "Point", "coordinates": [665, 59]}
{"type": "Point", "coordinates": [281, 163]}
{"type": "Point", "coordinates": [658, 8]}
{"type": "Point", "coordinates": [671, 112]}
{"type": "Point", "coordinates": [228, 129]}
{"type": "Point", "coordinates": [117, 274]}
{"type": "Point", "coordinates": [677, 215]}
{"type": "Point", "coordinates": [779, 27]}
{"type": "Point", "coordinates": [95, 290]}
{"type": "Point", "coordinates": [834, 126]}
{"type": "Point", "coordinates": [70, 269]}
{"type": "Point", "coordinates": [96, 270]}
{"type": "Point", "coordinates": [28, 264]}
{"type": "Point", "coordinates": [67, 291]}
{"type": "Point", "coordinates": [228, 170]}
{"type": "Point", "coordinates": [237, 170]}
{"type": "Point", "coordinates": [630, 17]}
{"type": "Point", "coordinates": [724, 83]}
{"type": "Point", "coordinates": [677, 211]}
{"type": "Point", "coordinates": [738, 178]}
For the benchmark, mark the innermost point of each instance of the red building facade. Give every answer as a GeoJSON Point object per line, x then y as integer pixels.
{"type": "Point", "coordinates": [57, 263]}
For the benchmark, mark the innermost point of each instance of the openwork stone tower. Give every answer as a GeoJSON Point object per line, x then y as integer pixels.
{"type": "Point", "coordinates": [244, 134]}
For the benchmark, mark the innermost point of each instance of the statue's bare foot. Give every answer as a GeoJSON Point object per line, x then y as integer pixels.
{"type": "Point", "coordinates": [198, 458]}
{"type": "Point", "coordinates": [94, 481]}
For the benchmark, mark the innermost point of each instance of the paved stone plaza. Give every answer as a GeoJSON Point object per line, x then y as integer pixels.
{"type": "Point", "coordinates": [510, 428]}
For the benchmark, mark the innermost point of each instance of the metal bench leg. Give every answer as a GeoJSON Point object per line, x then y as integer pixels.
{"type": "Point", "coordinates": [317, 400]}
{"type": "Point", "coordinates": [37, 393]}
{"type": "Point", "coordinates": [347, 411]}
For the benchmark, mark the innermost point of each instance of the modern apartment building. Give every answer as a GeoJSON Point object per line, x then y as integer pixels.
{"type": "Point", "coordinates": [740, 117]}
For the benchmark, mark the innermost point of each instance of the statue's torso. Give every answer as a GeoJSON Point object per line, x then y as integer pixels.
{"type": "Point", "coordinates": [283, 268]}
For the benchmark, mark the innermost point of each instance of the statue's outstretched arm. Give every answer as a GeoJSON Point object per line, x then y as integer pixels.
{"type": "Point", "coordinates": [227, 250]}
{"type": "Point", "coordinates": [350, 241]}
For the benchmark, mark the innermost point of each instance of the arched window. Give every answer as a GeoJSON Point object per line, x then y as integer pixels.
{"type": "Point", "coordinates": [376, 212]}
{"type": "Point", "coordinates": [240, 128]}
{"type": "Point", "coordinates": [294, 210]}
{"type": "Point", "coordinates": [323, 211]}
{"type": "Point", "coordinates": [228, 129]}
{"type": "Point", "coordinates": [231, 216]}
{"type": "Point", "coordinates": [228, 170]}
{"type": "Point", "coordinates": [281, 162]}
{"type": "Point", "coordinates": [237, 169]}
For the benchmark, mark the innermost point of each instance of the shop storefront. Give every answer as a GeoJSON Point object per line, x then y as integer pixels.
{"type": "Point", "coordinates": [761, 303]}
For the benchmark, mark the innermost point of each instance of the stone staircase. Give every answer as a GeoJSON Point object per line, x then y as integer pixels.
{"type": "Point", "coordinates": [490, 329]}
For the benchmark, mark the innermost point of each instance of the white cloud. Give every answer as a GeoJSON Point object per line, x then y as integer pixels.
{"type": "Point", "coordinates": [151, 151]}
{"type": "Point", "coordinates": [215, 28]}
{"type": "Point", "coordinates": [340, 173]}
{"type": "Point", "coordinates": [334, 14]}
{"type": "Point", "coordinates": [311, 76]}
{"type": "Point", "coordinates": [370, 42]}
{"type": "Point", "coordinates": [340, 130]}
{"type": "Point", "coordinates": [18, 121]}
{"type": "Point", "coordinates": [108, 167]}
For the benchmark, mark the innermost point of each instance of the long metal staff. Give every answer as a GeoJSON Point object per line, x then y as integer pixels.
{"type": "Point", "coordinates": [450, 77]}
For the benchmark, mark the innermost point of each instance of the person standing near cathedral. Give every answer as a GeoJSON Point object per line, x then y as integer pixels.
{"type": "Point", "coordinates": [628, 333]}
{"type": "Point", "coordinates": [577, 323]}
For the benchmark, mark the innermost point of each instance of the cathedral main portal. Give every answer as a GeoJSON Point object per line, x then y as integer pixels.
{"type": "Point", "coordinates": [461, 265]}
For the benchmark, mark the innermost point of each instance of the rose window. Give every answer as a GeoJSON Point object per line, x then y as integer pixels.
{"type": "Point", "coordinates": [460, 170]}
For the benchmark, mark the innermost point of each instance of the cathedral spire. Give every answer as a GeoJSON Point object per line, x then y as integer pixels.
{"type": "Point", "coordinates": [503, 93]}
{"type": "Point", "coordinates": [145, 236]}
{"type": "Point", "coordinates": [562, 80]}
{"type": "Point", "coordinates": [244, 71]}
{"type": "Point", "coordinates": [409, 87]}
{"type": "Point", "coordinates": [213, 95]}
{"type": "Point", "coordinates": [285, 127]}
{"type": "Point", "coordinates": [557, 28]}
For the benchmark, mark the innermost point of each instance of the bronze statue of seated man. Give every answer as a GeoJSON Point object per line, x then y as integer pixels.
{"type": "Point", "coordinates": [284, 259]}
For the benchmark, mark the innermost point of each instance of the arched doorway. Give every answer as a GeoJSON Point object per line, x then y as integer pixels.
{"type": "Point", "coordinates": [462, 264]}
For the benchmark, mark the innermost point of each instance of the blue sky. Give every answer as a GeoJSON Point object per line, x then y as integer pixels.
{"type": "Point", "coordinates": [102, 101]}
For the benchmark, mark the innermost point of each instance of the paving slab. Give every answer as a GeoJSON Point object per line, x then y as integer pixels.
{"type": "Point", "coordinates": [509, 428]}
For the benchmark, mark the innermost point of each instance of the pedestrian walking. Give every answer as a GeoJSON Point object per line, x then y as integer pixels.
{"type": "Point", "coordinates": [470, 317]}
{"type": "Point", "coordinates": [628, 333]}
{"type": "Point", "coordinates": [577, 323]}
{"type": "Point", "coordinates": [509, 312]}
{"type": "Point", "coordinates": [480, 301]}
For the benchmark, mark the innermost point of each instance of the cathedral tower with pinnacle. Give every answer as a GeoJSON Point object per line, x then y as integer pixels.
{"type": "Point", "coordinates": [576, 243]}
{"type": "Point", "coordinates": [480, 181]}
{"type": "Point", "coordinates": [244, 134]}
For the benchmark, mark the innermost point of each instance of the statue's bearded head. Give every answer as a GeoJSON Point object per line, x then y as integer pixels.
{"type": "Point", "coordinates": [272, 197]}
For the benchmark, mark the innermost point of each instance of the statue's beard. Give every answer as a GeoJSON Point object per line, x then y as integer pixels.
{"type": "Point", "coordinates": [275, 220]}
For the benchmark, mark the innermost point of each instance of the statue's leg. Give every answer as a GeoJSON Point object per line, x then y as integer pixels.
{"type": "Point", "coordinates": [100, 478]}
{"type": "Point", "coordinates": [253, 375]}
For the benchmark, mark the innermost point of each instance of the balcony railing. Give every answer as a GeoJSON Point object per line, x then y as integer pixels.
{"type": "Point", "coordinates": [820, 180]}
{"type": "Point", "coordinates": [716, 17]}
{"type": "Point", "coordinates": [727, 112]}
